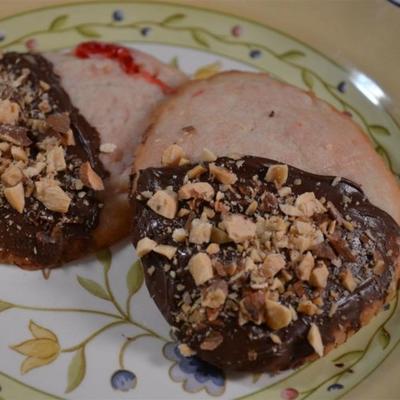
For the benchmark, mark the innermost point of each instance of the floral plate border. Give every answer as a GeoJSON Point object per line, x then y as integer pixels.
{"type": "Point", "coordinates": [238, 39]}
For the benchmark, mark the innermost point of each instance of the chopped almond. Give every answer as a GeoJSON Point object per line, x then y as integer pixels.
{"type": "Point", "coordinates": [239, 228]}
{"type": "Point", "coordinates": [305, 267]}
{"type": "Point", "coordinates": [16, 197]}
{"type": "Point", "coordinates": [198, 190]}
{"type": "Point", "coordinates": [201, 268]}
{"type": "Point", "coordinates": [172, 155]}
{"type": "Point", "coordinates": [56, 160]}
{"type": "Point", "coordinates": [309, 205]}
{"type": "Point", "coordinates": [215, 295]}
{"type": "Point", "coordinates": [213, 248]}
{"type": "Point", "coordinates": [277, 316]}
{"type": "Point", "coordinates": [208, 155]}
{"type": "Point", "coordinates": [179, 235]}
{"type": "Point", "coordinates": [196, 171]}
{"type": "Point", "coordinates": [277, 174]}
{"type": "Point", "coordinates": [164, 203]}
{"type": "Point", "coordinates": [315, 340]}
{"type": "Point", "coordinates": [145, 246]}
{"type": "Point", "coordinates": [307, 307]}
{"type": "Point", "coordinates": [165, 250]}
{"type": "Point", "coordinates": [52, 196]}
{"type": "Point", "coordinates": [89, 177]}
{"type": "Point", "coordinates": [222, 175]}
{"type": "Point", "coordinates": [12, 176]}
{"type": "Point", "coordinates": [200, 231]}
{"type": "Point", "coordinates": [19, 153]}
{"type": "Point", "coordinates": [273, 263]}
{"type": "Point", "coordinates": [319, 275]}
{"type": "Point", "coordinates": [9, 112]}
{"type": "Point", "coordinates": [348, 280]}
{"type": "Point", "coordinates": [185, 350]}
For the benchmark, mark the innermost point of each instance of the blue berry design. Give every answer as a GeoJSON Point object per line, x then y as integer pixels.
{"type": "Point", "coordinates": [123, 380]}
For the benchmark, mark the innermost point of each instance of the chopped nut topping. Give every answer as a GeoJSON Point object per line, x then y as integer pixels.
{"type": "Point", "coordinates": [56, 160]}
{"type": "Point", "coordinates": [196, 171]}
{"type": "Point", "coordinates": [145, 246]}
{"type": "Point", "coordinates": [315, 340]}
{"type": "Point", "coordinates": [15, 196]}
{"type": "Point", "coordinates": [59, 122]}
{"type": "Point", "coordinates": [89, 177]}
{"type": "Point", "coordinates": [239, 228]}
{"type": "Point", "coordinates": [19, 153]}
{"type": "Point", "coordinates": [172, 155]}
{"type": "Point", "coordinates": [212, 248]}
{"type": "Point", "coordinates": [348, 280]}
{"type": "Point", "coordinates": [305, 267]}
{"type": "Point", "coordinates": [179, 235]}
{"type": "Point", "coordinates": [252, 308]}
{"type": "Point", "coordinates": [200, 231]}
{"type": "Point", "coordinates": [198, 190]}
{"type": "Point", "coordinates": [273, 263]}
{"type": "Point", "coordinates": [164, 203]}
{"type": "Point", "coordinates": [319, 275]}
{"type": "Point", "coordinates": [9, 112]}
{"type": "Point", "coordinates": [52, 196]}
{"type": "Point", "coordinates": [277, 316]}
{"type": "Point", "coordinates": [215, 295]}
{"type": "Point", "coordinates": [167, 251]}
{"type": "Point", "coordinates": [222, 175]}
{"type": "Point", "coordinates": [309, 205]}
{"type": "Point", "coordinates": [185, 350]}
{"type": "Point", "coordinates": [208, 155]}
{"type": "Point", "coordinates": [277, 174]}
{"type": "Point", "coordinates": [12, 176]}
{"type": "Point", "coordinates": [307, 307]}
{"type": "Point", "coordinates": [201, 268]}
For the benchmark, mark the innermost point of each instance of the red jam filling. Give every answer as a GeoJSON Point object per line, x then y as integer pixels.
{"type": "Point", "coordinates": [123, 56]}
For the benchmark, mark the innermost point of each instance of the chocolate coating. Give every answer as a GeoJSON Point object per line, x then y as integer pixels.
{"type": "Point", "coordinates": [239, 341]}
{"type": "Point", "coordinates": [40, 238]}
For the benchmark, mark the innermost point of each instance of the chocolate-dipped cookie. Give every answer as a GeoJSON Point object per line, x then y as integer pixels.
{"type": "Point", "coordinates": [257, 265]}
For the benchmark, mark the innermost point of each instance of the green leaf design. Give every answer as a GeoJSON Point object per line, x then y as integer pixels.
{"type": "Point", "coordinates": [379, 130]}
{"type": "Point", "coordinates": [307, 78]}
{"type": "Point", "coordinates": [88, 32]}
{"type": "Point", "coordinates": [5, 306]}
{"type": "Point", "coordinates": [384, 338]}
{"type": "Point", "coordinates": [135, 278]}
{"type": "Point", "coordinates": [105, 257]}
{"type": "Point", "coordinates": [76, 370]}
{"type": "Point", "coordinates": [292, 55]}
{"type": "Point", "coordinates": [173, 18]}
{"type": "Point", "coordinates": [94, 288]}
{"type": "Point", "coordinates": [58, 22]}
{"type": "Point", "coordinates": [199, 38]}
{"type": "Point", "coordinates": [174, 62]}
{"type": "Point", "coordinates": [349, 357]}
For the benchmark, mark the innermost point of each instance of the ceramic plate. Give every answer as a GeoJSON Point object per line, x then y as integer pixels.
{"type": "Point", "coordinates": [91, 331]}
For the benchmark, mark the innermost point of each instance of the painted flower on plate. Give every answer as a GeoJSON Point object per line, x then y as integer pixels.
{"type": "Point", "coordinates": [194, 373]}
{"type": "Point", "coordinates": [118, 15]}
{"type": "Point", "coordinates": [123, 380]}
{"type": "Point", "coordinates": [43, 349]}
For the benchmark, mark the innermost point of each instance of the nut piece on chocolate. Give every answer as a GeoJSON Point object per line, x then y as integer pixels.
{"type": "Point", "coordinates": [49, 169]}
{"type": "Point", "coordinates": [259, 269]}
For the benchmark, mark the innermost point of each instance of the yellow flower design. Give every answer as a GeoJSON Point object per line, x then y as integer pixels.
{"type": "Point", "coordinates": [207, 71]}
{"type": "Point", "coordinates": [43, 349]}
